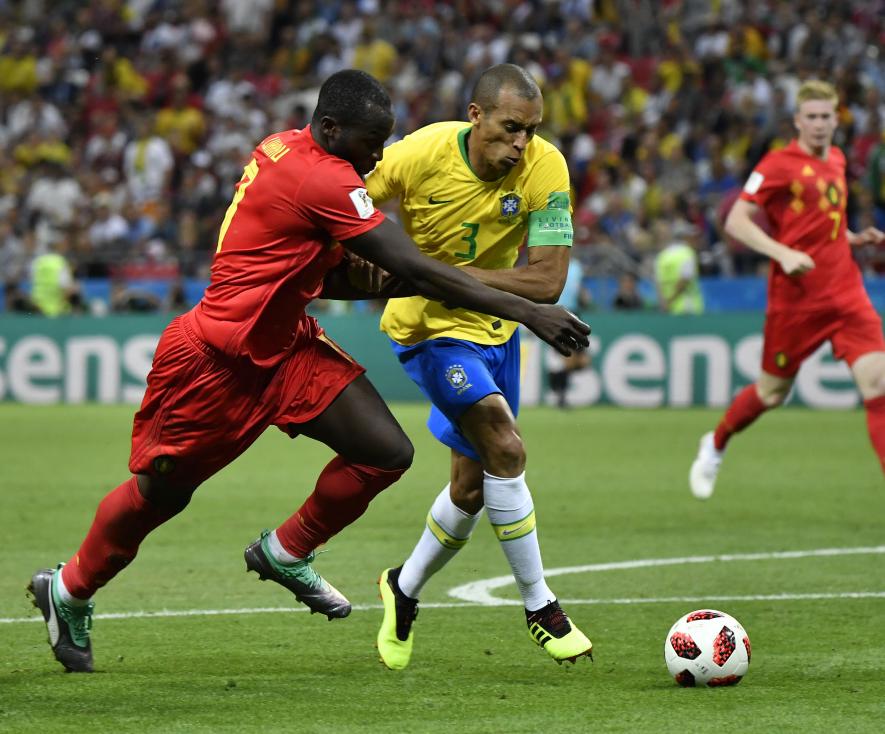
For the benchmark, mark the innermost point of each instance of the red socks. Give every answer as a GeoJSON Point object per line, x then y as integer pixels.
{"type": "Point", "coordinates": [744, 409]}
{"type": "Point", "coordinates": [122, 521]}
{"type": "Point", "coordinates": [876, 425]}
{"type": "Point", "coordinates": [343, 492]}
{"type": "Point", "coordinates": [124, 518]}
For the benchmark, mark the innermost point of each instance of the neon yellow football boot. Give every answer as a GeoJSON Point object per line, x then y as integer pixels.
{"type": "Point", "coordinates": [551, 629]}
{"type": "Point", "coordinates": [395, 636]}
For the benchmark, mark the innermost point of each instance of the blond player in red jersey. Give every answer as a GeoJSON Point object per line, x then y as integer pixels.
{"type": "Point", "coordinates": [248, 357]}
{"type": "Point", "coordinates": [815, 289]}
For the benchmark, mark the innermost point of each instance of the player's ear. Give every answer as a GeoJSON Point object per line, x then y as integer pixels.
{"type": "Point", "coordinates": [330, 128]}
{"type": "Point", "coordinates": [474, 112]}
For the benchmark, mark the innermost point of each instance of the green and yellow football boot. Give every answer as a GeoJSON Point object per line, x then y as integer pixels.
{"type": "Point", "coordinates": [400, 611]}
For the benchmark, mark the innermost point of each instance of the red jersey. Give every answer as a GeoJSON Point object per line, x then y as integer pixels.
{"type": "Point", "coordinates": [278, 240]}
{"type": "Point", "coordinates": [804, 198]}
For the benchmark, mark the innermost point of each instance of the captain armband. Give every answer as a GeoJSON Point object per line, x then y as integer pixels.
{"type": "Point", "coordinates": [553, 225]}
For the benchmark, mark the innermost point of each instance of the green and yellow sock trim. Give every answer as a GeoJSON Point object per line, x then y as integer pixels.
{"type": "Point", "coordinates": [445, 539]}
{"type": "Point", "coordinates": [515, 530]}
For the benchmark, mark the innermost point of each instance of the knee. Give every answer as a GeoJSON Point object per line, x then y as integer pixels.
{"type": "Point", "coordinates": [872, 386]}
{"type": "Point", "coordinates": [505, 456]}
{"type": "Point", "coordinates": [467, 498]}
{"type": "Point", "coordinates": [397, 455]}
{"type": "Point", "coordinates": [774, 396]}
{"type": "Point", "coordinates": [165, 493]}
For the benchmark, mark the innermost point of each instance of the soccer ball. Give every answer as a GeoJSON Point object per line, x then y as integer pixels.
{"type": "Point", "coordinates": [707, 648]}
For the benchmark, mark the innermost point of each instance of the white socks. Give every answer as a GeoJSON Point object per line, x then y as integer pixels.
{"type": "Point", "coordinates": [278, 552]}
{"type": "Point", "coordinates": [511, 511]}
{"type": "Point", "coordinates": [64, 594]}
{"type": "Point", "coordinates": [447, 530]}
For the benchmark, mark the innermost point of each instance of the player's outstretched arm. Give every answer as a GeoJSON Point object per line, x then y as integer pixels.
{"type": "Point", "coordinates": [356, 279]}
{"type": "Point", "coordinates": [540, 280]}
{"type": "Point", "coordinates": [741, 226]}
{"type": "Point", "coordinates": [390, 248]}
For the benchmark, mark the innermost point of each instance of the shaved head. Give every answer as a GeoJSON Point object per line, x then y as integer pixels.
{"type": "Point", "coordinates": [494, 79]}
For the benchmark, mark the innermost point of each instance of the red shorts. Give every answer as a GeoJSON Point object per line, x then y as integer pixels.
{"type": "Point", "coordinates": [202, 409]}
{"type": "Point", "coordinates": [792, 337]}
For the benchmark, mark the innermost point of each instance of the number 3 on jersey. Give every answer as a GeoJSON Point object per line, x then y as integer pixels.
{"type": "Point", "coordinates": [470, 238]}
{"type": "Point", "coordinates": [249, 174]}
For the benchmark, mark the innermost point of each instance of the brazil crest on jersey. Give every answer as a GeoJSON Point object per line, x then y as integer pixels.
{"type": "Point", "coordinates": [459, 219]}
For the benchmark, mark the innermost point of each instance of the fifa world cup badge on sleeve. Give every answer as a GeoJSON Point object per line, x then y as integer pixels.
{"type": "Point", "coordinates": [362, 202]}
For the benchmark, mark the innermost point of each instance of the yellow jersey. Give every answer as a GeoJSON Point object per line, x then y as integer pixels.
{"type": "Point", "coordinates": [459, 219]}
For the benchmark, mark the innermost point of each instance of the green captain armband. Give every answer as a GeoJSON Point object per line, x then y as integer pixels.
{"type": "Point", "coordinates": [553, 225]}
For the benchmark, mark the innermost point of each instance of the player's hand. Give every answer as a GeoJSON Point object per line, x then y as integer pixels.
{"type": "Point", "coordinates": [364, 275]}
{"type": "Point", "coordinates": [560, 328]}
{"type": "Point", "coordinates": [793, 262]}
{"type": "Point", "coordinates": [867, 236]}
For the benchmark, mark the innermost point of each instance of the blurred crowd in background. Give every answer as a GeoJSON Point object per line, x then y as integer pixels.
{"type": "Point", "coordinates": [124, 124]}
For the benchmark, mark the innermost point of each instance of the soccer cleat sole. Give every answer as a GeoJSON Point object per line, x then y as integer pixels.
{"type": "Point", "coordinates": [72, 658]}
{"type": "Point", "coordinates": [574, 658]}
{"type": "Point", "coordinates": [254, 562]}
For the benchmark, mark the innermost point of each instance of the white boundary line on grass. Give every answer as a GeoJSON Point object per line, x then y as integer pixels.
{"type": "Point", "coordinates": [477, 592]}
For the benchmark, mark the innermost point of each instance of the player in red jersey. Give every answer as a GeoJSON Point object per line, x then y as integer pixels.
{"type": "Point", "coordinates": [248, 357]}
{"type": "Point", "coordinates": [815, 290]}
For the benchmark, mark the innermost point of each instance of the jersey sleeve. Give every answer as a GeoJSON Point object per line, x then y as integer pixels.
{"type": "Point", "coordinates": [336, 201]}
{"type": "Point", "coordinates": [549, 202]}
{"type": "Point", "coordinates": [385, 182]}
{"type": "Point", "coordinates": [766, 180]}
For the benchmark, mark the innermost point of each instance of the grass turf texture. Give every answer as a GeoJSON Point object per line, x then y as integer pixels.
{"type": "Point", "coordinates": [609, 485]}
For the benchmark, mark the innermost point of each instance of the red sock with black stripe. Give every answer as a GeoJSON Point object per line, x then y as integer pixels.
{"type": "Point", "coordinates": [122, 521]}
{"type": "Point", "coordinates": [744, 409]}
{"type": "Point", "coordinates": [343, 492]}
{"type": "Point", "coordinates": [876, 425]}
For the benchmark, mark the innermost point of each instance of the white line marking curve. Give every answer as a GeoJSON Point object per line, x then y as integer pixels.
{"type": "Point", "coordinates": [483, 598]}
{"type": "Point", "coordinates": [479, 592]}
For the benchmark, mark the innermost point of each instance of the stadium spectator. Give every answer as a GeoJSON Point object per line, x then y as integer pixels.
{"type": "Point", "coordinates": [14, 254]}
{"type": "Point", "coordinates": [148, 164]}
{"type": "Point", "coordinates": [677, 270]}
{"type": "Point", "coordinates": [109, 232]}
{"type": "Point", "coordinates": [181, 122]}
{"type": "Point", "coordinates": [54, 291]}
{"type": "Point", "coordinates": [248, 357]}
{"type": "Point", "coordinates": [816, 293]}
{"type": "Point", "coordinates": [53, 201]}
{"type": "Point", "coordinates": [128, 299]}
{"type": "Point", "coordinates": [627, 298]}
{"type": "Point", "coordinates": [876, 180]}
{"type": "Point", "coordinates": [706, 76]}
{"type": "Point", "coordinates": [15, 300]}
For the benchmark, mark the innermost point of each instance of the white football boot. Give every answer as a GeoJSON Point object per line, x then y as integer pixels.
{"type": "Point", "coordinates": [702, 477]}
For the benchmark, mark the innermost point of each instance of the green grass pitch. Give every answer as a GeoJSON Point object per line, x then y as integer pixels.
{"type": "Point", "coordinates": [609, 486]}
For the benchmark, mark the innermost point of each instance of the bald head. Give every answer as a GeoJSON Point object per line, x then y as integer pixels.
{"type": "Point", "coordinates": [503, 76]}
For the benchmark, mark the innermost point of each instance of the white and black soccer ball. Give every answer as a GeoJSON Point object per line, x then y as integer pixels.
{"type": "Point", "coordinates": [707, 648]}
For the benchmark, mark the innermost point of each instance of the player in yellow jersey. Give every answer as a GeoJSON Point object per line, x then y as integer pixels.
{"type": "Point", "coordinates": [470, 194]}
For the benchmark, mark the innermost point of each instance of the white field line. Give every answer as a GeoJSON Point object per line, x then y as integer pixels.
{"type": "Point", "coordinates": [454, 605]}
{"type": "Point", "coordinates": [483, 598]}
{"type": "Point", "coordinates": [479, 592]}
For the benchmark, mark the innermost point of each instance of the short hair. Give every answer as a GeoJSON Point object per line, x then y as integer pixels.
{"type": "Point", "coordinates": [490, 83]}
{"type": "Point", "coordinates": [352, 96]}
{"type": "Point", "coordinates": [814, 90]}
